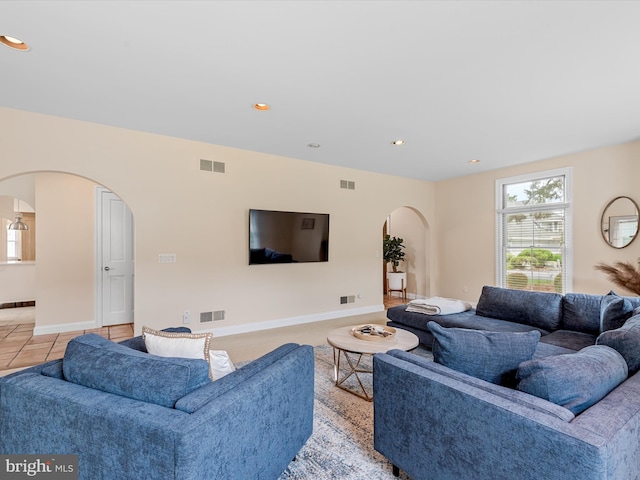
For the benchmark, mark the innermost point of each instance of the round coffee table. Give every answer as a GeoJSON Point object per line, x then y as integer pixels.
{"type": "Point", "coordinates": [346, 345]}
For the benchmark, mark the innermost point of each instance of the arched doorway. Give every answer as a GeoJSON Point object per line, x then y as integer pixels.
{"type": "Point", "coordinates": [67, 286]}
{"type": "Point", "coordinates": [410, 225]}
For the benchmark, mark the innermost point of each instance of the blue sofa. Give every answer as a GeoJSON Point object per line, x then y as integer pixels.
{"type": "Point", "coordinates": [569, 322]}
{"type": "Point", "coordinates": [128, 414]}
{"type": "Point", "coordinates": [448, 424]}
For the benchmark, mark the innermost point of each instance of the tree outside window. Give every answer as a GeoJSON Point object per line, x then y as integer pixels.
{"type": "Point", "coordinates": [533, 228]}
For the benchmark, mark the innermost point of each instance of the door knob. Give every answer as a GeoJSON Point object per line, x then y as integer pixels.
{"type": "Point", "coordinates": [107, 268]}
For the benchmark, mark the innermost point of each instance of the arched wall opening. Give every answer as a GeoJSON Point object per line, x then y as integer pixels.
{"type": "Point", "coordinates": [66, 272]}
{"type": "Point", "coordinates": [409, 224]}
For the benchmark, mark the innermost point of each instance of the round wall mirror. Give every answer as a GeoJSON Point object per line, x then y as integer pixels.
{"type": "Point", "coordinates": [620, 222]}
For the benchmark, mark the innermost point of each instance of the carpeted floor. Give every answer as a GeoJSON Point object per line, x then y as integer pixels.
{"type": "Point", "coordinates": [341, 446]}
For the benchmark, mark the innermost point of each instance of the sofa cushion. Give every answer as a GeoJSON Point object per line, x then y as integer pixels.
{"type": "Point", "coordinates": [576, 380]}
{"type": "Point", "coordinates": [538, 309]}
{"type": "Point", "coordinates": [467, 319]}
{"type": "Point", "coordinates": [614, 311]}
{"type": "Point", "coordinates": [626, 341]}
{"type": "Point", "coordinates": [581, 312]}
{"type": "Point", "coordinates": [569, 339]}
{"type": "Point", "coordinates": [101, 364]}
{"type": "Point", "coordinates": [490, 356]}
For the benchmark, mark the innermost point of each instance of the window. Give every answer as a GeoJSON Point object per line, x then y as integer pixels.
{"type": "Point", "coordinates": [13, 245]}
{"type": "Point", "coordinates": [534, 244]}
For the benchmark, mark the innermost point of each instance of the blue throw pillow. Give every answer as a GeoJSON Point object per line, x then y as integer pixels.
{"type": "Point", "coordinates": [614, 311]}
{"type": "Point", "coordinates": [575, 380]}
{"type": "Point", "coordinates": [490, 356]}
{"type": "Point", "coordinates": [626, 341]}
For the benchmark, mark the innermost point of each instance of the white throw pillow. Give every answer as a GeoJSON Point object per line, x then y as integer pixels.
{"type": "Point", "coordinates": [188, 345]}
{"type": "Point", "coordinates": [173, 344]}
{"type": "Point", "coordinates": [219, 364]}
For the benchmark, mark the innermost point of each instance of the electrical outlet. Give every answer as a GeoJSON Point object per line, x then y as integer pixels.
{"type": "Point", "coordinates": [186, 316]}
{"type": "Point", "coordinates": [465, 289]}
{"type": "Point", "coordinates": [167, 258]}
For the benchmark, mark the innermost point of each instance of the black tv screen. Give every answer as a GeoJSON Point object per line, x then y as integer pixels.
{"type": "Point", "coordinates": [288, 237]}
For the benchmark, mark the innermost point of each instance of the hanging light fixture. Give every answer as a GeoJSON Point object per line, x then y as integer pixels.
{"type": "Point", "coordinates": [18, 224]}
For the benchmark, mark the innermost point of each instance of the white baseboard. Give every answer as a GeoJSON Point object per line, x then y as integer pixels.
{"type": "Point", "coordinates": [63, 327]}
{"type": "Point", "coordinates": [287, 322]}
{"type": "Point", "coordinates": [230, 330]}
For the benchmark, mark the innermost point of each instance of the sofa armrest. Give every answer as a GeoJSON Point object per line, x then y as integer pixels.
{"type": "Point", "coordinates": [447, 426]}
{"type": "Point", "coordinates": [256, 428]}
{"type": "Point", "coordinates": [200, 397]}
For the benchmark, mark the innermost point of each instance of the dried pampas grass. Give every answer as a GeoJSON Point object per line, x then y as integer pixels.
{"type": "Point", "coordinates": [623, 274]}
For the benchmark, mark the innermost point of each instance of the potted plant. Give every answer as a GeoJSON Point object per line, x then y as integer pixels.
{"type": "Point", "coordinates": [393, 253]}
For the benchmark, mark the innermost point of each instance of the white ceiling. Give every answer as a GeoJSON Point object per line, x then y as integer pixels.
{"type": "Point", "coordinates": [503, 82]}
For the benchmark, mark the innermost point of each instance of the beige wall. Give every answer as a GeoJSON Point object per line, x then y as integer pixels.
{"type": "Point", "coordinates": [202, 217]}
{"type": "Point", "coordinates": [65, 247]}
{"type": "Point", "coordinates": [466, 220]}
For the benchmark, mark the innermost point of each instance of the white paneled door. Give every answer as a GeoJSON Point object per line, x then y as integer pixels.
{"type": "Point", "coordinates": [117, 260]}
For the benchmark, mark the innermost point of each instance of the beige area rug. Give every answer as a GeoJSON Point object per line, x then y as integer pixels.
{"type": "Point", "coordinates": [341, 446]}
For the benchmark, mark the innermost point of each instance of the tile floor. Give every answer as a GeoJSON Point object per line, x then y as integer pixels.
{"type": "Point", "coordinates": [19, 348]}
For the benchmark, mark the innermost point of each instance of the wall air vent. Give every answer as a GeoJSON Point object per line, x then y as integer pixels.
{"type": "Point", "coordinates": [218, 315]}
{"type": "Point", "coordinates": [211, 166]}
{"type": "Point", "coordinates": [206, 317]}
{"type": "Point", "coordinates": [348, 184]}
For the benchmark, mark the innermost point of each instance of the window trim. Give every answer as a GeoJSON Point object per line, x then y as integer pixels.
{"type": "Point", "coordinates": [567, 205]}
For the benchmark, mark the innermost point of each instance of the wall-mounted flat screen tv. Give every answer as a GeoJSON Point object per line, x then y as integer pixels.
{"type": "Point", "coordinates": [288, 237]}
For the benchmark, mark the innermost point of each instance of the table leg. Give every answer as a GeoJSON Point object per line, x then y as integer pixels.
{"type": "Point", "coordinates": [353, 369]}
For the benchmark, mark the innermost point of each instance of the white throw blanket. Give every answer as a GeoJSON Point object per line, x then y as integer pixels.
{"type": "Point", "coordinates": [438, 306]}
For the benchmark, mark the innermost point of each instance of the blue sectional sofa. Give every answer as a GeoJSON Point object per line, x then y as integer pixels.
{"type": "Point", "coordinates": [128, 414]}
{"type": "Point", "coordinates": [570, 322]}
{"type": "Point", "coordinates": [573, 413]}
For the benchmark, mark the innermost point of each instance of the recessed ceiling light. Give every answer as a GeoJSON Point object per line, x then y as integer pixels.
{"type": "Point", "coordinates": [397, 142]}
{"type": "Point", "coordinates": [261, 106]}
{"type": "Point", "coordinates": [14, 43]}
{"type": "Point", "coordinates": [475, 160]}
{"type": "Point", "coordinates": [313, 145]}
